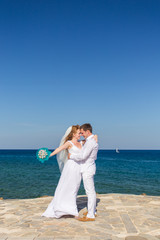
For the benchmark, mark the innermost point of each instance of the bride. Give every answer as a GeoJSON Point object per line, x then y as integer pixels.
{"type": "Point", "coordinates": [64, 201]}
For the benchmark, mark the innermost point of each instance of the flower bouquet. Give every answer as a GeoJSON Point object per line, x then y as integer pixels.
{"type": "Point", "coordinates": [43, 154]}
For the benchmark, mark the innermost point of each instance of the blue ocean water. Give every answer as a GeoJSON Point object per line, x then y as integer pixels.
{"type": "Point", "coordinates": [130, 171]}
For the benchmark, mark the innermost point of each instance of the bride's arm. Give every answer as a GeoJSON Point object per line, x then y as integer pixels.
{"type": "Point", "coordinates": [59, 149]}
{"type": "Point", "coordinates": [96, 137]}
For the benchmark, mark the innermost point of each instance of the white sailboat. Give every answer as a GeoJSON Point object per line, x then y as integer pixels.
{"type": "Point", "coordinates": [117, 150]}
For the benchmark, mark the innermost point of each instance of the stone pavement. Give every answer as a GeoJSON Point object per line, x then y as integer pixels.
{"type": "Point", "coordinates": [119, 217]}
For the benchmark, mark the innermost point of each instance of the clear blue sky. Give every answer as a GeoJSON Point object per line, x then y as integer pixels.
{"type": "Point", "coordinates": [68, 62]}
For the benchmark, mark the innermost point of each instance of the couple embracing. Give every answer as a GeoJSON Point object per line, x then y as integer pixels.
{"type": "Point", "coordinates": [76, 160]}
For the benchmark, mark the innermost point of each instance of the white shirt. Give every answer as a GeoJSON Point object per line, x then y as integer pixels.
{"type": "Point", "coordinates": [87, 156]}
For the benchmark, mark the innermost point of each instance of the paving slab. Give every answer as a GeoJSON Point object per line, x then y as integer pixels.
{"type": "Point", "coordinates": [119, 217]}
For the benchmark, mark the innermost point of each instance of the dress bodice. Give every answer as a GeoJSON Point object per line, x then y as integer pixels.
{"type": "Point", "coordinates": [74, 149]}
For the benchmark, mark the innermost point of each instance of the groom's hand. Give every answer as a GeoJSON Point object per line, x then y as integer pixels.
{"type": "Point", "coordinates": [69, 155]}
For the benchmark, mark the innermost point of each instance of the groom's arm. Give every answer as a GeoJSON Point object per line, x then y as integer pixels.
{"type": "Point", "coordinates": [86, 151]}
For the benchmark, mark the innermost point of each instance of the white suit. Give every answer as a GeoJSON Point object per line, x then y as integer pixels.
{"type": "Point", "coordinates": [87, 158]}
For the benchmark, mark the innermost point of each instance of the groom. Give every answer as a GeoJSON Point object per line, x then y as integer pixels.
{"type": "Point", "coordinates": [87, 159]}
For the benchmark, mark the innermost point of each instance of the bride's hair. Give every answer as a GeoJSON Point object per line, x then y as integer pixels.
{"type": "Point", "coordinates": [73, 131]}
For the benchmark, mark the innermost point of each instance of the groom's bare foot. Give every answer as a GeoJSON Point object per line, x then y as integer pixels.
{"type": "Point", "coordinates": [85, 219]}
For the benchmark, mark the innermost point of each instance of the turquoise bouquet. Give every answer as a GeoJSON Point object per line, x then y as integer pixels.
{"type": "Point", "coordinates": [43, 154]}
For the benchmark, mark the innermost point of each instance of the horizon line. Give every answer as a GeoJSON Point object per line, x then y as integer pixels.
{"type": "Point", "coordinates": [114, 149]}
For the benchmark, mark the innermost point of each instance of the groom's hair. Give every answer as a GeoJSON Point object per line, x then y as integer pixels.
{"type": "Point", "coordinates": [86, 126]}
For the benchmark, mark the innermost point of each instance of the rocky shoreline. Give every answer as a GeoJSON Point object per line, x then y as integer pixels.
{"type": "Point", "coordinates": [120, 217]}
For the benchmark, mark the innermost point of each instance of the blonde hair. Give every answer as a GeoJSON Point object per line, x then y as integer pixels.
{"type": "Point", "coordinates": [73, 131]}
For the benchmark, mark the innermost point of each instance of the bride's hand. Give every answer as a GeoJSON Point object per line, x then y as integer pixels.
{"type": "Point", "coordinates": [96, 137]}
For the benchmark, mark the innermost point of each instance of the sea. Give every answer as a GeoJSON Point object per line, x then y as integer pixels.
{"type": "Point", "coordinates": [127, 172]}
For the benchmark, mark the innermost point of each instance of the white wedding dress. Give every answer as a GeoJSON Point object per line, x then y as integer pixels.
{"type": "Point", "coordinates": [64, 201]}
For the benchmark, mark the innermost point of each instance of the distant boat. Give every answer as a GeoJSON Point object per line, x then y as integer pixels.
{"type": "Point", "coordinates": [117, 150]}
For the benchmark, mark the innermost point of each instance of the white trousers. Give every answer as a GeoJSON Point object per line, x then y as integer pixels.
{"type": "Point", "coordinates": [88, 182]}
